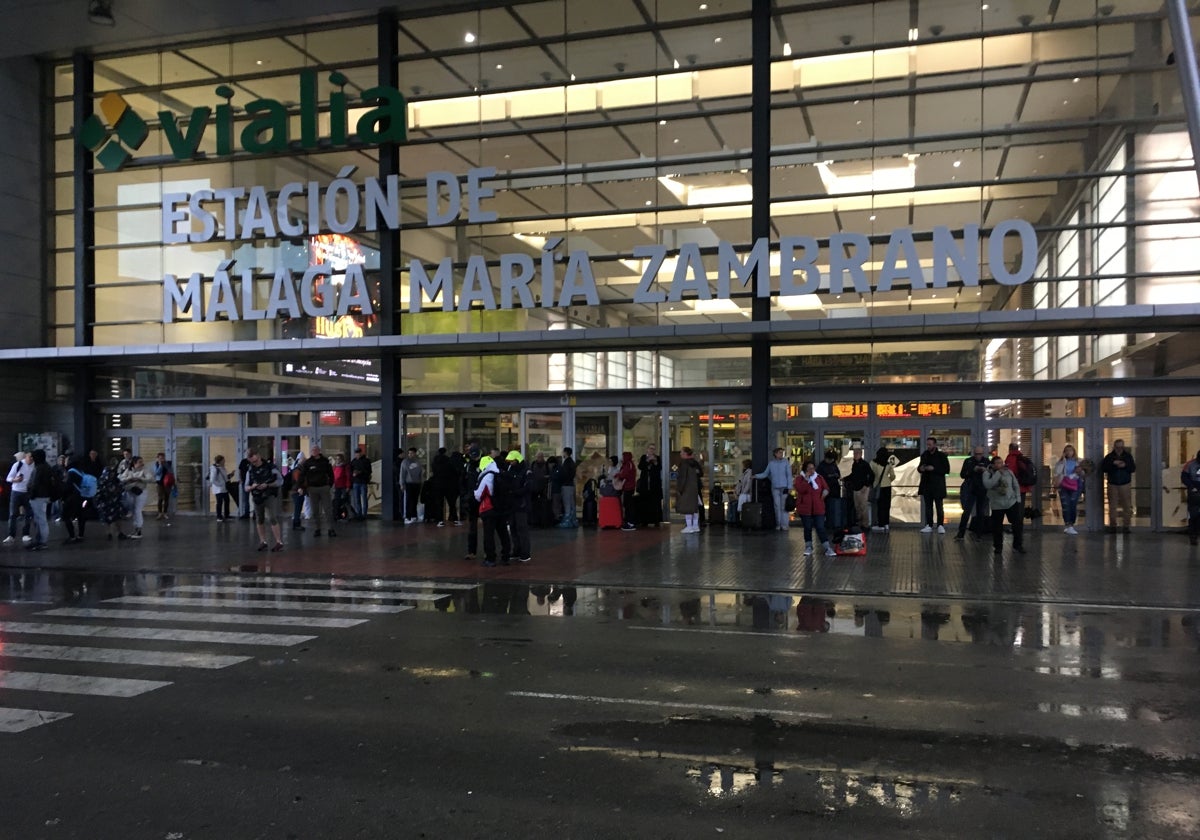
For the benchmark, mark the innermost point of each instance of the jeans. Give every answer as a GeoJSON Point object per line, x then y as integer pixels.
{"type": "Point", "coordinates": [222, 505]}
{"type": "Point", "coordinates": [779, 496]}
{"type": "Point", "coordinates": [40, 531]}
{"type": "Point", "coordinates": [297, 509]}
{"type": "Point", "coordinates": [358, 499]}
{"type": "Point", "coordinates": [568, 502]}
{"type": "Point", "coordinates": [1070, 505]}
{"type": "Point", "coordinates": [1016, 518]}
{"type": "Point", "coordinates": [810, 521]}
{"type": "Point", "coordinates": [17, 501]}
{"type": "Point", "coordinates": [974, 507]}
{"type": "Point", "coordinates": [929, 504]}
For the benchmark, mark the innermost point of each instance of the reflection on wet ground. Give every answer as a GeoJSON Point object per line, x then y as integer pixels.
{"type": "Point", "coordinates": [1006, 625]}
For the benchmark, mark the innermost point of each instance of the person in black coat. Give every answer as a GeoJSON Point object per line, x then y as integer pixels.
{"type": "Point", "coordinates": [650, 488]}
{"type": "Point", "coordinates": [933, 466]}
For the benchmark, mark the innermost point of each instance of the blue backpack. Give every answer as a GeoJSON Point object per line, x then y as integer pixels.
{"type": "Point", "coordinates": [87, 483]}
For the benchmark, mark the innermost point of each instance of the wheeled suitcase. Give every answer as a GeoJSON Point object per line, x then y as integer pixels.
{"type": "Point", "coordinates": [610, 512]}
{"type": "Point", "coordinates": [758, 514]}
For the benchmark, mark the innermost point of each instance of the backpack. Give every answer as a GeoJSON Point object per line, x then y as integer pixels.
{"type": "Point", "coordinates": [87, 484]}
{"type": "Point", "coordinates": [168, 480]}
{"type": "Point", "coordinates": [504, 491]}
{"type": "Point", "coordinates": [1026, 474]}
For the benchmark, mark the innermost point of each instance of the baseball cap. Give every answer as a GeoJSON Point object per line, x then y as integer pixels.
{"type": "Point", "coordinates": [485, 462]}
{"type": "Point", "coordinates": [515, 456]}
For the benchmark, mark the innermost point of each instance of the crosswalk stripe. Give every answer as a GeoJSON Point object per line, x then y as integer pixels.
{"type": "Point", "coordinates": [216, 637]}
{"type": "Point", "coordinates": [18, 720]}
{"type": "Point", "coordinates": [230, 604]}
{"type": "Point", "coordinates": [120, 656]}
{"type": "Point", "coordinates": [77, 684]}
{"type": "Point", "coordinates": [307, 593]}
{"type": "Point", "coordinates": [205, 618]}
{"type": "Point", "coordinates": [339, 583]}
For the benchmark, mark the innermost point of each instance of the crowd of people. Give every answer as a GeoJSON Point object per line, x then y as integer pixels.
{"type": "Point", "coordinates": [504, 495]}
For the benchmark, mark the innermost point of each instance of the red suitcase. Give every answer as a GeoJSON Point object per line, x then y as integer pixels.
{"type": "Point", "coordinates": [610, 512]}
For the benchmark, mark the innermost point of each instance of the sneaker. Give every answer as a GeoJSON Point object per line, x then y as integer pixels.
{"type": "Point", "coordinates": [489, 562]}
{"type": "Point", "coordinates": [441, 524]}
{"type": "Point", "coordinates": [277, 547]}
{"type": "Point", "coordinates": [38, 547]}
{"type": "Point", "coordinates": [628, 528]}
{"type": "Point", "coordinates": [458, 522]}
{"type": "Point", "coordinates": [829, 552]}
{"type": "Point", "coordinates": [808, 549]}
{"type": "Point", "coordinates": [8, 540]}
{"type": "Point", "coordinates": [941, 529]}
{"type": "Point", "coordinates": [262, 546]}
{"type": "Point", "coordinates": [1070, 529]}
{"type": "Point", "coordinates": [928, 529]}
{"type": "Point", "coordinates": [136, 535]}
{"type": "Point", "coordinates": [522, 559]}
{"type": "Point", "coordinates": [26, 539]}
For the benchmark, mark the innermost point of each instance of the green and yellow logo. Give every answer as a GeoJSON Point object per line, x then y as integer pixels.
{"type": "Point", "coordinates": [379, 115]}
{"type": "Point", "coordinates": [114, 139]}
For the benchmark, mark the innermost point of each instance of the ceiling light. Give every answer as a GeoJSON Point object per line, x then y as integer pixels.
{"type": "Point", "coordinates": [662, 122]}
{"type": "Point", "coordinates": [100, 13]}
{"type": "Point", "coordinates": [1065, 101]}
{"type": "Point", "coordinates": [913, 34]}
{"type": "Point", "coordinates": [871, 218]}
{"type": "Point", "coordinates": [957, 164]}
{"type": "Point", "coordinates": [676, 64]}
{"type": "Point", "coordinates": [648, 202]}
{"type": "Point", "coordinates": [787, 48]}
{"type": "Point", "coordinates": [1075, 81]}
{"type": "Point", "coordinates": [469, 37]}
{"type": "Point", "coordinates": [499, 66]}
{"type": "Point", "coordinates": [717, 40]}
{"type": "Point", "coordinates": [676, 140]}
{"type": "Point", "coordinates": [885, 175]}
{"type": "Point", "coordinates": [259, 62]}
{"type": "Point", "coordinates": [572, 77]}
{"type": "Point", "coordinates": [703, 6]}
{"type": "Point", "coordinates": [984, 7]}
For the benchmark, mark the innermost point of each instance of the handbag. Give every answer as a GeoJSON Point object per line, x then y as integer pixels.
{"type": "Point", "coordinates": [618, 484]}
{"type": "Point", "coordinates": [1069, 483]}
{"type": "Point", "coordinates": [789, 503]}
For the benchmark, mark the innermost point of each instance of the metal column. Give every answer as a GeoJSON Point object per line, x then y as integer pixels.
{"type": "Point", "coordinates": [389, 261]}
{"type": "Point", "coordinates": [760, 223]}
{"type": "Point", "coordinates": [1189, 76]}
{"type": "Point", "coordinates": [85, 257]}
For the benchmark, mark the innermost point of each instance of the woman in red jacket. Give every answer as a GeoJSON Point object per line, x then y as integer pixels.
{"type": "Point", "coordinates": [811, 491]}
{"type": "Point", "coordinates": [341, 488]}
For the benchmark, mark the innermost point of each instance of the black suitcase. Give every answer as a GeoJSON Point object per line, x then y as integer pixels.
{"type": "Point", "coordinates": [759, 513]}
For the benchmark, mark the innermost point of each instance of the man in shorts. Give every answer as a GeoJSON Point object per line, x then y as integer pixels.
{"type": "Point", "coordinates": [264, 483]}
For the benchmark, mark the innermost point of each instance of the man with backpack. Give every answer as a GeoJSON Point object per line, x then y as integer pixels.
{"type": "Point", "coordinates": [1023, 469]}
{"type": "Point", "coordinates": [79, 496]}
{"type": "Point", "coordinates": [494, 495]}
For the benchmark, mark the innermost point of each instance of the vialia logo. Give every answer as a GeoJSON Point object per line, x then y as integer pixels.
{"type": "Point", "coordinates": [383, 119]}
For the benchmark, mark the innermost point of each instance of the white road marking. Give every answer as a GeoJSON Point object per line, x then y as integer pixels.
{"type": "Point", "coordinates": [666, 704]}
{"type": "Point", "coordinates": [339, 583]}
{"type": "Point", "coordinates": [205, 618]}
{"type": "Point", "coordinates": [18, 720]}
{"type": "Point", "coordinates": [120, 656]}
{"type": "Point", "coordinates": [217, 637]}
{"type": "Point", "coordinates": [229, 604]}
{"type": "Point", "coordinates": [350, 594]}
{"type": "Point", "coordinates": [76, 684]}
{"type": "Point", "coordinates": [761, 634]}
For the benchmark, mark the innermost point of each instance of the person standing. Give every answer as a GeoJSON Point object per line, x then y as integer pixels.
{"type": "Point", "coordinates": [566, 481]}
{"type": "Point", "coordinates": [298, 496]}
{"type": "Point", "coordinates": [93, 464]}
{"type": "Point", "coordinates": [467, 501]}
{"type": "Point", "coordinates": [1004, 496]}
{"type": "Point", "coordinates": [161, 500]}
{"type": "Point", "coordinates": [539, 481]}
{"type": "Point", "coordinates": [243, 500]}
{"type": "Point", "coordinates": [933, 466]}
{"type": "Point", "coordinates": [780, 473]}
{"type": "Point", "coordinates": [19, 476]}
{"type": "Point", "coordinates": [341, 488]}
{"type": "Point", "coordinates": [412, 476]}
{"type": "Point", "coordinates": [521, 481]}
{"type": "Point", "coordinates": [264, 483]}
{"type": "Point", "coordinates": [626, 485]}
{"type": "Point", "coordinates": [492, 512]}
{"type": "Point", "coordinates": [1191, 480]}
{"type": "Point", "coordinates": [360, 483]}
{"type": "Point", "coordinates": [109, 492]}
{"type": "Point", "coordinates": [1068, 478]}
{"type": "Point", "coordinates": [973, 495]}
{"type": "Point", "coordinates": [829, 470]}
{"type": "Point", "coordinates": [811, 493]}
{"type": "Point", "coordinates": [1118, 467]}
{"type": "Point", "coordinates": [687, 490]}
{"type": "Point", "coordinates": [859, 484]}
{"type": "Point", "coordinates": [137, 480]}
{"type": "Point", "coordinates": [883, 467]}
{"type": "Point", "coordinates": [218, 482]}
{"type": "Point", "coordinates": [76, 507]}
{"type": "Point", "coordinates": [650, 487]}
{"type": "Point", "coordinates": [1023, 469]}
{"type": "Point", "coordinates": [316, 477]}
{"type": "Point", "coordinates": [445, 488]}
{"type": "Point", "coordinates": [41, 488]}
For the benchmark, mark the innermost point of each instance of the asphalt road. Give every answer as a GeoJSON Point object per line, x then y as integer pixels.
{"type": "Point", "coordinates": [622, 720]}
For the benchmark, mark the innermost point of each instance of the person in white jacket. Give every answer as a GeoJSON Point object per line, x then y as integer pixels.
{"type": "Point", "coordinates": [18, 480]}
{"type": "Point", "coordinates": [136, 478]}
{"type": "Point", "coordinates": [218, 483]}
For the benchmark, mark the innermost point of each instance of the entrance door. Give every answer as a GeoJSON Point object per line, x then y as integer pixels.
{"type": "Point", "coordinates": [596, 439]}
{"type": "Point", "coordinates": [1051, 440]}
{"type": "Point", "coordinates": [543, 432]}
{"type": "Point", "coordinates": [1178, 446]}
{"type": "Point", "coordinates": [1138, 441]}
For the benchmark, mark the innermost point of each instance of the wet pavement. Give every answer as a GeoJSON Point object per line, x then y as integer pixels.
{"type": "Point", "coordinates": [379, 685]}
{"type": "Point", "coordinates": [1146, 569]}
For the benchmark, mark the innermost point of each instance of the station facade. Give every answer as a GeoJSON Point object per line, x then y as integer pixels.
{"type": "Point", "coordinates": [729, 225]}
